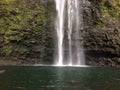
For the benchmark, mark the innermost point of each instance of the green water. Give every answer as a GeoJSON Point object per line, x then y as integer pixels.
{"type": "Point", "coordinates": [59, 78]}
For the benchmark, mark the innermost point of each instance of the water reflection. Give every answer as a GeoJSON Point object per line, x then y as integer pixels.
{"type": "Point", "coordinates": [59, 78]}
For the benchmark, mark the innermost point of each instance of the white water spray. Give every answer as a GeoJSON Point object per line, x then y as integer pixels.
{"type": "Point", "coordinates": [75, 54]}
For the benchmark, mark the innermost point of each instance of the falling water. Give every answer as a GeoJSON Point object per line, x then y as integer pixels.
{"type": "Point", "coordinates": [74, 54]}
{"type": "Point", "coordinates": [60, 7]}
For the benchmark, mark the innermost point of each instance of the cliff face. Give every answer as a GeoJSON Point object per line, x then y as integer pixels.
{"type": "Point", "coordinates": [102, 36]}
{"type": "Point", "coordinates": [27, 31]}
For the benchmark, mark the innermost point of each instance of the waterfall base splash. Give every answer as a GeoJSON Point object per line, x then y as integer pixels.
{"type": "Point", "coordinates": [60, 65]}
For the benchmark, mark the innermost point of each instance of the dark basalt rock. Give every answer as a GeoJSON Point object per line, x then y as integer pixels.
{"type": "Point", "coordinates": [102, 35]}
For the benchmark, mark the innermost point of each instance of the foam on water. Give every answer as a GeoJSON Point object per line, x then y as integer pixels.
{"type": "Point", "coordinates": [61, 65]}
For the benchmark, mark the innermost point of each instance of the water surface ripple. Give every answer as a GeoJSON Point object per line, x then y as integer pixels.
{"type": "Point", "coordinates": [59, 78]}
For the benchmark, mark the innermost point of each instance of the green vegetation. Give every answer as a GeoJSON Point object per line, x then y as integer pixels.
{"type": "Point", "coordinates": [23, 27]}
{"type": "Point", "coordinates": [110, 10]}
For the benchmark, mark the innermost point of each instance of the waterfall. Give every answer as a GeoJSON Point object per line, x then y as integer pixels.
{"type": "Point", "coordinates": [60, 7]}
{"type": "Point", "coordinates": [69, 11]}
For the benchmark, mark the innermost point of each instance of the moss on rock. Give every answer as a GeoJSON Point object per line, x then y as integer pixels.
{"type": "Point", "coordinates": [23, 26]}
